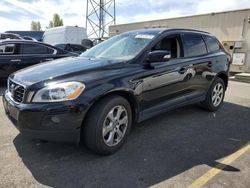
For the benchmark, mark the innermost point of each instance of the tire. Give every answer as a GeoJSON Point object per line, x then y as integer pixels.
{"type": "Point", "coordinates": [215, 93]}
{"type": "Point", "coordinates": [106, 121]}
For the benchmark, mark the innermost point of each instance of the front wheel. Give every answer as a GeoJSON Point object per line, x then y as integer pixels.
{"type": "Point", "coordinates": [215, 96]}
{"type": "Point", "coordinates": [107, 125]}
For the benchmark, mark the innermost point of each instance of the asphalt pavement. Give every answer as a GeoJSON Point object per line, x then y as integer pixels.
{"type": "Point", "coordinates": [176, 149]}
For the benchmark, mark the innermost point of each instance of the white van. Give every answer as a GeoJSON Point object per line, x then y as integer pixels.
{"type": "Point", "coordinates": [65, 34]}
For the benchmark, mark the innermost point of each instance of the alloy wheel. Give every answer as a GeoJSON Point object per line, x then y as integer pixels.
{"type": "Point", "coordinates": [115, 125]}
{"type": "Point", "coordinates": [218, 94]}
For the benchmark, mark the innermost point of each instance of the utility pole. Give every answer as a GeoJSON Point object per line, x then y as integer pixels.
{"type": "Point", "coordinates": [100, 14]}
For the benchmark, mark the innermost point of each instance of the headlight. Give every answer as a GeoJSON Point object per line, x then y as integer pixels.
{"type": "Point", "coordinates": [55, 92]}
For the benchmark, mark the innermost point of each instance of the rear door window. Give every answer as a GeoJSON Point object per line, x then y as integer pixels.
{"type": "Point", "coordinates": [36, 49]}
{"type": "Point", "coordinates": [194, 45]}
{"type": "Point", "coordinates": [212, 44]}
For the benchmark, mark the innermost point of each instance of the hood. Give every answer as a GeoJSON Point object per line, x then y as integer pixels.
{"type": "Point", "coordinates": [65, 67]}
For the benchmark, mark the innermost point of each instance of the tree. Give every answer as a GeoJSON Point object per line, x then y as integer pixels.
{"type": "Point", "coordinates": [51, 24]}
{"type": "Point", "coordinates": [57, 21]}
{"type": "Point", "coordinates": [35, 26]}
{"type": "Point", "coordinates": [39, 28]}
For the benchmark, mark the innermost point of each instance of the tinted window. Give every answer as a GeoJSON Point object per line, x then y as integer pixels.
{"type": "Point", "coordinates": [212, 44]}
{"type": "Point", "coordinates": [194, 45]}
{"type": "Point", "coordinates": [50, 51]}
{"type": "Point", "coordinates": [62, 46]}
{"type": "Point", "coordinates": [7, 49]}
{"type": "Point", "coordinates": [36, 49]}
{"type": "Point", "coordinates": [77, 48]}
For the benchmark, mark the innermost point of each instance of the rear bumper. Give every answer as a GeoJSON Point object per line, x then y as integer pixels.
{"type": "Point", "coordinates": [54, 122]}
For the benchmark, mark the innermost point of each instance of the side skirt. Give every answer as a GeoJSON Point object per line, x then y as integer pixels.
{"type": "Point", "coordinates": [169, 105]}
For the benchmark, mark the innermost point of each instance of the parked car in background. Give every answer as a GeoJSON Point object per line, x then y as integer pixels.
{"type": "Point", "coordinates": [75, 48]}
{"type": "Point", "coordinates": [87, 43]}
{"type": "Point", "coordinates": [38, 35]}
{"type": "Point", "coordinates": [29, 38]}
{"type": "Point", "coordinates": [96, 97]}
{"type": "Point", "coordinates": [65, 35]}
{"type": "Point", "coordinates": [18, 54]}
{"type": "Point", "coordinates": [4, 36]}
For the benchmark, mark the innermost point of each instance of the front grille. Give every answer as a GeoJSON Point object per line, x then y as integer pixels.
{"type": "Point", "coordinates": [16, 90]}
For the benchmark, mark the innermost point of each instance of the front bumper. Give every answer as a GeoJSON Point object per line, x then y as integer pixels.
{"type": "Point", "coordinates": [51, 121]}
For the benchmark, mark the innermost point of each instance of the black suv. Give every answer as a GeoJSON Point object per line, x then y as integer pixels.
{"type": "Point", "coordinates": [18, 54]}
{"type": "Point", "coordinates": [96, 97]}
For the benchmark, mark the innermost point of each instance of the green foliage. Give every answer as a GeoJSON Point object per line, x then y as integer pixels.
{"type": "Point", "coordinates": [35, 26]}
{"type": "Point", "coordinates": [51, 24]}
{"type": "Point", "coordinates": [56, 22]}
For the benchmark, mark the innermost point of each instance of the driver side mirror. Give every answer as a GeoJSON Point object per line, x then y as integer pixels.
{"type": "Point", "coordinates": [158, 56]}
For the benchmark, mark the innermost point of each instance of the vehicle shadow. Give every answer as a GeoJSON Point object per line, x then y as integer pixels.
{"type": "Point", "coordinates": [157, 150]}
{"type": "Point", "coordinates": [3, 86]}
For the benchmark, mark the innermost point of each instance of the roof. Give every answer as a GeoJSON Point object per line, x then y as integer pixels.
{"type": "Point", "coordinates": [163, 30]}
{"type": "Point", "coordinates": [19, 41]}
{"type": "Point", "coordinates": [63, 28]}
{"type": "Point", "coordinates": [23, 41]}
{"type": "Point", "coordinates": [34, 34]}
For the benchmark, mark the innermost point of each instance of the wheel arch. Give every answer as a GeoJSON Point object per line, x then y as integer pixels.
{"type": "Point", "coordinates": [128, 95]}
{"type": "Point", "coordinates": [224, 77]}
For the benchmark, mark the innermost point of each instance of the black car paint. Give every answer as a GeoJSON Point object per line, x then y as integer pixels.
{"type": "Point", "coordinates": [12, 62]}
{"type": "Point", "coordinates": [73, 48]}
{"type": "Point", "coordinates": [150, 88]}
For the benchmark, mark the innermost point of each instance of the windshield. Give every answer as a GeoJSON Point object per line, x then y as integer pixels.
{"type": "Point", "coordinates": [121, 47]}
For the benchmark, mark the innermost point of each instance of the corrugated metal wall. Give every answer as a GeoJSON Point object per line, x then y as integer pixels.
{"type": "Point", "coordinates": [225, 25]}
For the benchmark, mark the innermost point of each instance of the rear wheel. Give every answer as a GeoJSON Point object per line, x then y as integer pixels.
{"type": "Point", "coordinates": [215, 96]}
{"type": "Point", "coordinates": [107, 125]}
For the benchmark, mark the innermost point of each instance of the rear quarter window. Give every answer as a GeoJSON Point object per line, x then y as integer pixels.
{"type": "Point", "coordinates": [212, 44]}
{"type": "Point", "coordinates": [194, 45]}
{"type": "Point", "coordinates": [7, 49]}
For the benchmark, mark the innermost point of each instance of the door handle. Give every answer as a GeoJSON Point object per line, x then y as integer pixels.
{"type": "Point", "coordinates": [182, 70]}
{"type": "Point", "coordinates": [15, 60]}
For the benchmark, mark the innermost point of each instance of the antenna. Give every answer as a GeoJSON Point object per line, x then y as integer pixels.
{"type": "Point", "coordinates": [99, 15]}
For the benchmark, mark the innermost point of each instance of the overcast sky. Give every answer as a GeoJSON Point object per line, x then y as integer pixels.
{"type": "Point", "coordinates": [17, 14]}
